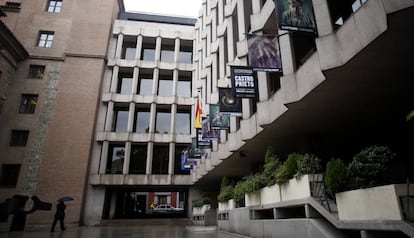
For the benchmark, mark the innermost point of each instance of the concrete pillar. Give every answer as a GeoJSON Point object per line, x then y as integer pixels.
{"type": "Point", "coordinates": [119, 43]}
{"type": "Point", "coordinates": [104, 157]}
{"type": "Point", "coordinates": [176, 50]}
{"type": "Point", "coordinates": [230, 39]}
{"type": "Point", "coordinates": [114, 81]}
{"type": "Point", "coordinates": [287, 53]}
{"type": "Point", "coordinates": [240, 20]}
{"type": "Point", "coordinates": [256, 6]}
{"type": "Point", "coordinates": [263, 85]}
{"type": "Point", "coordinates": [138, 48]}
{"type": "Point", "coordinates": [149, 157]}
{"type": "Point", "coordinates": [322, 17]}
{"type": "Point", "coordinates": [222, 63]}
{"type": "Point", "coordinates": [131, 116]}
{"type": "Point", "coordinates": [173, 115]}
{"type": "Point", "coordinates": [125, 169]}
{"type": "Point", "coordinates": [220, 10]}
{"type": "Point", "coordinates": [109, 116]}
{"type": "Point", "coordinates": [175, 82]}
{"type": "Point", "coordinates": [158, 49]}
{"type": "Point", "coordinates": [155, 81]}
{"type": "Point", "coordinates": [171, 158]}
{"type": "Point", "coordinates": [135, 81]}
{"type": "Point", "coordinates": [153, 114]}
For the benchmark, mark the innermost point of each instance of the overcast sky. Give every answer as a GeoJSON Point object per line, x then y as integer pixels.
{"type": "Point", "coordinates": [170, 7]}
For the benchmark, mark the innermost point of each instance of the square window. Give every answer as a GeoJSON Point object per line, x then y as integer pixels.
{"type": "Point", "coordinates": [54, 6]}
{"type": "Point", "coordinates": [36, 72]}
{"type": "Point", "coordinates": [9, 175]}
{"type": "Point", "coordinates": [45, 39]}
{"type": "Point", "coordinates": [19, 137]}
{"type": "Point", "coordinates": [28, 103]}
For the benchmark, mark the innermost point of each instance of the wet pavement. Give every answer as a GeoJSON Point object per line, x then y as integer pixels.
{"type": "Point", "coordinates": [154, 228]}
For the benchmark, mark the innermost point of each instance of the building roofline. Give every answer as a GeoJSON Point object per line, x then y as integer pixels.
{"type": "Point", "coordinates": [159, 18]}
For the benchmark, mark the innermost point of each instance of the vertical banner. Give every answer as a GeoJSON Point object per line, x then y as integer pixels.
{"type": "Point", "coordinates": [202, 142]}
{"type": "Point", "coordinates": [296, 15]}
{"type": "Point", "coordinates": [198, 112]}
{"type": "Point", "coordinates": [244, 82]}
{"type": "Point", "coordinates": [186, 162]}
{"type": "Point", "coordinates": [264, 53]}
{"type": "Point", "coordinates": [218, 120]}
{"type": "Point", "coordinates": [207, 132]}
{"type": "Point", "coordinates": [228, 103]}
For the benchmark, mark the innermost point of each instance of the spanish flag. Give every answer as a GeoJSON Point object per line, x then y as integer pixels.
{"type": "Point", "coordinates": [198, 112]}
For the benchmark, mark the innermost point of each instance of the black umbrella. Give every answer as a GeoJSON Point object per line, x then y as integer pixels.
{"type": "Point", "coordinates": [65, 199]}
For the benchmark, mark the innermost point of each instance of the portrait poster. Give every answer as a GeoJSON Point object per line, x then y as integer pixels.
{"type": "Point", "coordinates": [195, 152]}
{"type": "Point", "coordinates": [264, 53]}
{"type": "Point", "coordinates": [209, 133]}
{"type": "Point", "coordinates": [296, 15]}
{"type": "Point", "coordinates": [202, 142]}
{"type": "Point", "coordinates": [228, 103]}
{"type": "Point", "coordinates": [244, 82]}
{"type": "Point", "coordinates": [187, 163]}
{"type": "Point", "coordinates": [218, 120]}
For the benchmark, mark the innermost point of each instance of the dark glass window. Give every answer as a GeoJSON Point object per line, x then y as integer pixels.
{"type": "Point", "coordinates": [9, 175]}
{"type": "Point", "coordinates": [124, 83]}
{"type": "Point", "coordinates": [148, 49]}
{"type": "Point", "coordinates": [55, 6]}
{"type": "Point", "coordinates": [36, 72]}
{"type": "Point", "coordinates": [129, 48]}
{"type": "Point", "coordinates": [163, 121]}
{"type": "Point", "coordinates": [177, 159]}
{"type": "Point", "coordinates": [160, 159]}
{"type": "Point", "coordinates": [184, 84]}
{"type": "Point", "coordinates": [182, 121]}
{"type": "Point", "coordinates": [142, 120]}
{"type": "Point", "coordinates": [167, 50]}
{"type": "Point", "coordinates": [115, 160]}
{"type": "Point", "coordinates": [165, 84]}
{"type": "Point", "coordinates": [19, 137]}
{"type": "Point", "coordinates": [28, 103]}
{"type": "Point", "coordinates": [120, 122]}
{"type": "Point", "coordinates": [138, 159]}
{"type": "Point", "coordinates": [145, 84]}
{"type": "Point", "coordinates": [45, 39]}
{"type": "Point", "coordinates": [186, 52]}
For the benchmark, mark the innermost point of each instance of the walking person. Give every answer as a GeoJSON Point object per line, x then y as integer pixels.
{"type": "Point", "coordinates": [59, 215]}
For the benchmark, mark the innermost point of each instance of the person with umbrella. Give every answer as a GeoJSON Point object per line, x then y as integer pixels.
{"type": "Point", "coordinates": [60, 213]}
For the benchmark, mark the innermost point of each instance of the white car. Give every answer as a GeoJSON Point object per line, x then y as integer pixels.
{"type": "Point", "coordinates": [167, 209]}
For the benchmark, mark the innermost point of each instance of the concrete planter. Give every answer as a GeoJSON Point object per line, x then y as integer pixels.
{"type": "Point", "coordinates": [199, 211]}
{"type": "Point", "coordinates": [252, 199]}
{"type": "Point", "coordinates": [298, 188]}
{"type": "Point", "coordinates": [269, 195]}
{"type": "Point", "coordinates": [377, 203]}
{"type": "Point", "coordinates": [225, 206]}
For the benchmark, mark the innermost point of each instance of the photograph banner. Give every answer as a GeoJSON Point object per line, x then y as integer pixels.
{"type": "Point", "coordinates": [218, 120]}
{"type": "Point", "coordinates": [202, 142]}
{"type": "Point", "coordinates": [264, 53]}
{"type": "Point", "coordinates": [209, 133]}
{"type": "Point", "coordinates": [187, 163]}
{"type": "Point", "coordinates": [228, 103]}
{"type": "Point", "coordinates": [244, 82]}
{"type": "Point", "coordinates": [296, 15]}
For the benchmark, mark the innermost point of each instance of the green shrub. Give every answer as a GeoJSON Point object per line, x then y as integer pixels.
{"type": "Point", "coordinates": [226, 190]}
{"type": "Point", "coordinates": [288, 169]}
{"type": "Point", "coordinates": [226, 193]}
{"type": "Point", "coordinates": [239, 191]}
{"type": "Point", "coordinates": [272, 164]}
{"type": "Point", "coordinates": [368, 166]}
{"type": "Point", "coordinates": [308, 164]}
{"type": "Point", "coordinates": [336, 176]}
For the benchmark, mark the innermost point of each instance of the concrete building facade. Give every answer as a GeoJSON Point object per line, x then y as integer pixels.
{"type": "Point", "coordinates": [113, 112]}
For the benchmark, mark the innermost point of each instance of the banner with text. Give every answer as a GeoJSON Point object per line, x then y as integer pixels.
{"type": "Point", "coordinates": [244, 82]}
{"type": "Point", "coordinates": [296, 15]}
{"type": "Point", "coordinates": [264, 53]}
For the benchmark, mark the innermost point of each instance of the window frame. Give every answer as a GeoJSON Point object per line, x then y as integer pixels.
{"type": "Point", "coordinates": [19, 138]}
{"type": "Point", "coordinates": [9, 176]}
{"type": "Point", "coordinates": [45, 39]}
{"type": "Point", "coordinates": [28, 103]}
{"type": "Point", "coordinates": [54, 6]}
{"type": "Point", "coordinates": [36, 71]}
